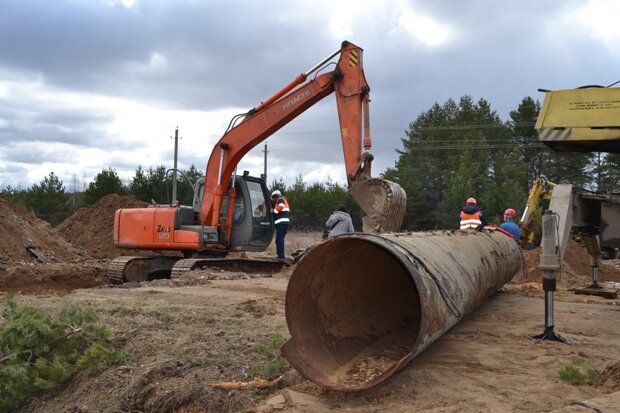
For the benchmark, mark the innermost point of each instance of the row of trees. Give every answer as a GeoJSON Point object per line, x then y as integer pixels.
{"type": "Point", "coordinates": [459, 150]}
{"type": "Point", "coordinates": [450, 152]}
{"type": "Point", "coordinates": [50, 201]}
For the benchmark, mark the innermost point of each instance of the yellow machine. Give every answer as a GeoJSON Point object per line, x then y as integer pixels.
{"type": "Point", "coordinates": [531, 231]}
{"type": "Point", "coordinates": [586, 119]}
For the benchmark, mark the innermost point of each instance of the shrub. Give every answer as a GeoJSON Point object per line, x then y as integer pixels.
{"type": "Point", "coordinates": [39, 352]}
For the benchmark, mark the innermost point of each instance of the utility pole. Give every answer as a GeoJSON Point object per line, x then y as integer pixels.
{"type": "Point", "coordinates": [265, 163]}
{"type": "Point", "coordinates": [174, 171]}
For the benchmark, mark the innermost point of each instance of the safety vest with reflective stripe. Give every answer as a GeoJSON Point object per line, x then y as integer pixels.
{"type": "Point", "coordinates": [281, 211]}
{"type": "Point", "coordinates": [470, 221]}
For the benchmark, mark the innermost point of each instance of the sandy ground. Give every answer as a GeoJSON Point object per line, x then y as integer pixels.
{"type": "Point", "coordinates": [487, 362]}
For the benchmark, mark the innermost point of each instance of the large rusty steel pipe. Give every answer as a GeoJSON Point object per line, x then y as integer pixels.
{"type": "Point", "coordinates": [361, 306]}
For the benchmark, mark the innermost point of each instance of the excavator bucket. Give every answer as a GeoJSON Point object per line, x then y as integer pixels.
{"type": "Point", "coordinates": [383, 202]}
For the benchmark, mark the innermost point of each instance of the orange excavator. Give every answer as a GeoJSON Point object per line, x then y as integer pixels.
{"type": "Point", "coordinates": [233, 212]}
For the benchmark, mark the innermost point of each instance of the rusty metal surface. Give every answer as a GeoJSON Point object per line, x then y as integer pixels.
{"type": "Point", "coordinates": [361, 306]}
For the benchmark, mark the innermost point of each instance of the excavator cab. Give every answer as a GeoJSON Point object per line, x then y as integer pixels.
{"type": "Point", "coordinates": [252, 228]}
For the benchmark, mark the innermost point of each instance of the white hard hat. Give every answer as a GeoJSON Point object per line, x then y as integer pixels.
{"type": "Point", "coordinates": [276, 193]}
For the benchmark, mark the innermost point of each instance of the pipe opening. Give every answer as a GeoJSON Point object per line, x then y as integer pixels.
{"type": "Point", "coordinates": [360, 306]}
{"type": "Point", "coordinates": [353, 311]}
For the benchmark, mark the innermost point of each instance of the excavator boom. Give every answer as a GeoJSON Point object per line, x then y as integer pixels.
{"type": "Point", "coordinates": [383, 201]}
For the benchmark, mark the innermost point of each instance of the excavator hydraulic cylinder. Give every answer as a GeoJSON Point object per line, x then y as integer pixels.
{"type": "Point", "coordinates": [360, 306]}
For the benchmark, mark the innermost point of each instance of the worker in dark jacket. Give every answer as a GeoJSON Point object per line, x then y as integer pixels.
{"type": "Point", "coordinates": [509, 224]}
{"type": "Point", "coordinates": [471, 216]}
{"type": "Point", "coordinates": [281, 214]}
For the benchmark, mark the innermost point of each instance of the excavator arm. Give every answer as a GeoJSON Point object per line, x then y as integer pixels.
{"type": "Point", "coordinates": [531, 231]}
{"type": "Point", "coordinates": [381, 200]}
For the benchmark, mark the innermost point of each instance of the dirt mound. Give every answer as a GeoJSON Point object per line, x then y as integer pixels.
{"type": "Point", "coordinates": [91, 229]}
{"type": "Point", "coordinates": [48, 279]}
{"type": "Point", "coordinates": [28, 239]}
{"type": "Point", "coordinates": [576, 269]}
{"type": "Point", "coordinates": [36, 259]}
{"type": "Point", "coordinates": [610, 377]}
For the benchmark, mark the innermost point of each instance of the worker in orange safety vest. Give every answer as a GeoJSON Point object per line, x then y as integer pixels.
{"type": "Point", "coordinates": [471, 215]}
{"type": "Point", "coordinates": [281, 218]}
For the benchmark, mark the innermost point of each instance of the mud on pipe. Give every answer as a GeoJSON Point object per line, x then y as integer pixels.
{"type": "Point", "coordinates": [361, 306]}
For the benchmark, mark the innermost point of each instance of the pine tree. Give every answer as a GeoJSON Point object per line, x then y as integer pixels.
{"type": "Point", "coordinates": [106, 182]}
{"type": "Point", "coordinates": [48, 200]}
{"type": "Point", "coordinates": [41, 352]}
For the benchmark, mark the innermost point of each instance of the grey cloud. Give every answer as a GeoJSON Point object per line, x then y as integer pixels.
{"type": "Point", "coordinates": [213, 50]}
{"type": "Point", "coordinates": [36, 153]}
{"type": "Point", "coordinates": [44, 124]}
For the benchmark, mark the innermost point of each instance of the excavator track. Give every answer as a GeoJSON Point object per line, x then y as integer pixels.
{"type": "Point", "coordinates": [116, 268]}
{"type": "Point", "coordinates": [383, 202]}
{"type": "Point", "coordinates": [137, 269]}
{"type": "Point", "coordinates": [250, 265]}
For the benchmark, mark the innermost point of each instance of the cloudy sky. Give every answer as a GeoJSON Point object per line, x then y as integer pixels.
{"type": "Point", "coordinates": [87, 85]}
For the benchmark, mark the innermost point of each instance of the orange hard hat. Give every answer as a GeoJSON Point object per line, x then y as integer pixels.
{"type": "Point", "coordinates": [510, 212]}
{"type": "Point", "coordinates": [472, 201]}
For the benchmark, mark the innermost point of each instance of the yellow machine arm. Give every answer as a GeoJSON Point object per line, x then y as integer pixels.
{"type": "Point", "coordinates": [530, 230]}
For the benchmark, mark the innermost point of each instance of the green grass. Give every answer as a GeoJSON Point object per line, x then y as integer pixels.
{"type": "Point", "coordinates": [579, 371]}
{"type": "Point", "coordinates": [276, 365]}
